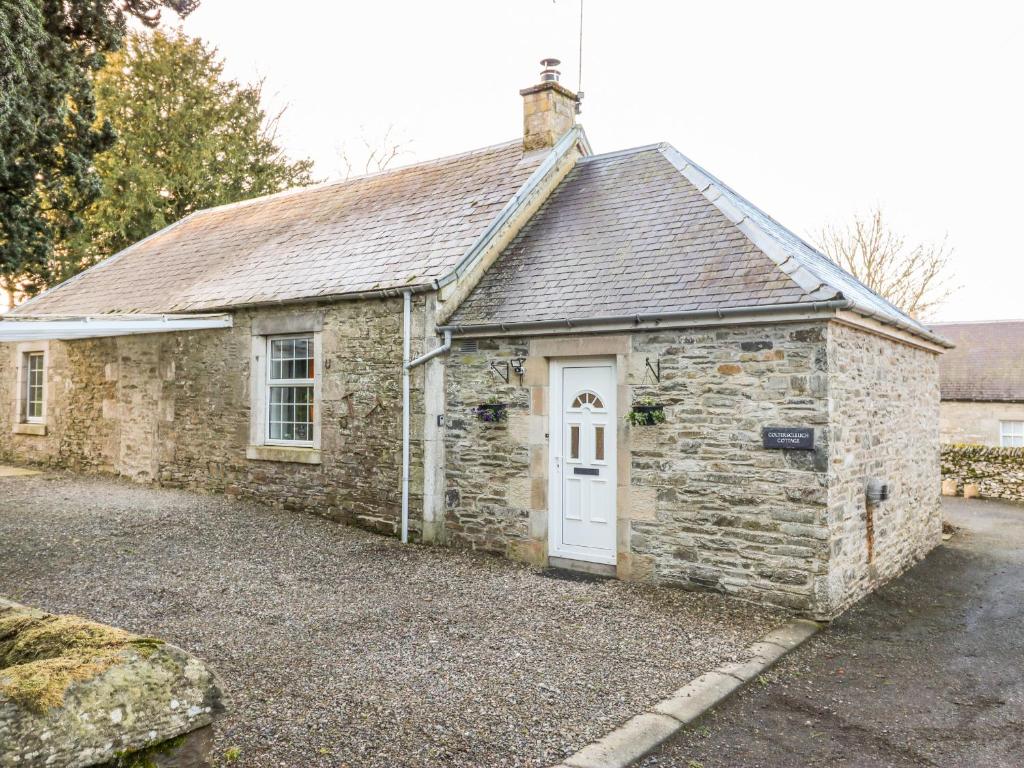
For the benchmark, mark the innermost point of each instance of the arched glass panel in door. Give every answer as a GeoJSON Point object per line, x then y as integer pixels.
{"type": "Point", "coordinates": [588, 399]}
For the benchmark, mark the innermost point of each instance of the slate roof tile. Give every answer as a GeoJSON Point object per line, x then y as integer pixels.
{"type": "Point", "coordinates": [387, 230]}
{"type": "Point", "coordinates": [987, 363]}
{"type": "Point", "coordinates": [644, 238]}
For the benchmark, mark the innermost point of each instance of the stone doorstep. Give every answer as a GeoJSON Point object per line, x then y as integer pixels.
{"type": "Point", "coordinates": [643, 733]}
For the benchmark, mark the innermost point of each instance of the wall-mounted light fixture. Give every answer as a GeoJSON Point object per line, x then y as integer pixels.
{"type": "Point", "coordinates": [516, 365]}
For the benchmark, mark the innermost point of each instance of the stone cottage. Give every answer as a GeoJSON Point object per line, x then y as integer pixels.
{"type": "Point", "coordinates": [982, 384]}
{"type": "Point", "coordinates": [610, 362]}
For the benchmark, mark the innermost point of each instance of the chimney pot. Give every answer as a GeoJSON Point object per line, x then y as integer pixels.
{"type": "Point", "coordinates": [550, 73]}
{"type": "Point", "coordinates": [549, 109]}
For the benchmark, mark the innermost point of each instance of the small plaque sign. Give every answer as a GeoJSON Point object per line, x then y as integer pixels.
{"type": "Point", "coordinates": [793, 438]}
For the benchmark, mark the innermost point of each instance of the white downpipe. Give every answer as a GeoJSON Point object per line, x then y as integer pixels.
{"type": "Point", "coordinates": [406, 340]}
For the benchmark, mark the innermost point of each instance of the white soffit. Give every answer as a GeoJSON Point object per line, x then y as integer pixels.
{"type": "Point", "coordinates": [63, 328]}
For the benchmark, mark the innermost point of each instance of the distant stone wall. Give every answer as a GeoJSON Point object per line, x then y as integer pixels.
{"type": "Point", "coordinates": [884, 406]}
{"type": "Point", "coordinates": [175, 409]}
{"type": "Point", "coordinates": [998, 472]}
{"type": "Point", "coordinates": [700, 502]}
{"type": "Point", "coordinates": [77, 693]}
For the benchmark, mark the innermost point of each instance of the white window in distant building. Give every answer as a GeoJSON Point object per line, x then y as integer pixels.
{"type": "Point", "coordinates": [32, 397]}
{"type": "Point", "coordinates": [291, 419]}
{"type": "Point", "coordinates": [1011, 434]}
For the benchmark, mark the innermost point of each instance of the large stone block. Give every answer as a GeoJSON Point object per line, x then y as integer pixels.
{"type": "Point", "coordinates": [77, 693]}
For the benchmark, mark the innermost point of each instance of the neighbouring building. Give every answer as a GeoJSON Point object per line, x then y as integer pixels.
{"type": "Point", "coordinates": [982, 384]}
{"type": "Point", "coordinates": [601, 361]}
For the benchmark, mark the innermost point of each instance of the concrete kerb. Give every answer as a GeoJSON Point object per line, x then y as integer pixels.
{"type": "Point", "coordinates": [643, 733]}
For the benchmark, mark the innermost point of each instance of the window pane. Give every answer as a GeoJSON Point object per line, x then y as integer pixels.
{"type": "Point", "coordinates": [291, 359]}
{"type": "Point", "coordinates": [598, 443]}
{"type": "Point", "coordinates": [291, 413]}
{"type": "Point", "coordinates": [574, 441]}
{"type": "Point", "coordinates": [33, 393]}
{"type": "Point", "coordinates": [587, 398]}
{"type": "Point", "coordinates": [1011, 434]}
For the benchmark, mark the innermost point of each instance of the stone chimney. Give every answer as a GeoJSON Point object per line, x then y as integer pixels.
{"type": "Point", "coordinates": [549, 109]}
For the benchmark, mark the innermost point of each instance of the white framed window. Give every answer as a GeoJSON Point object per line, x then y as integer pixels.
{"type": "Point", "coordinates": [1011, 434]}
{"type": "Point", "coordinates": [290, 391]}
{"type": "Point", "coordinates": [34, 386]}
{"type": "Point", "coordinates": [30, 388]}
{"type": "Point", "coordinates": [287, 368]}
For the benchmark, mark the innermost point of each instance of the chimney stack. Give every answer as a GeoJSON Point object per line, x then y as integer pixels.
{"type": "Point", "coordinates": [549, 109]}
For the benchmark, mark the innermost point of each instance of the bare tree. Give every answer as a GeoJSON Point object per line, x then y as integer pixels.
{"type": "Point", "coordinates": [377, 155]}
{"type": "Point", "coordinates": [914, 278]}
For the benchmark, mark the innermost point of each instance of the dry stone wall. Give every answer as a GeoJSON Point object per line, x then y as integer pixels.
{"type": "Point", "coordinates": [998, 472]}
{"type": "Point", "coordinates": [175, 409]}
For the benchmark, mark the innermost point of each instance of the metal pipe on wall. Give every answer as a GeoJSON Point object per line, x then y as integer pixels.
{"type": "Point", "coordinates": [408, 365]}
{"type": "Point", "coordinates": [406, 341]}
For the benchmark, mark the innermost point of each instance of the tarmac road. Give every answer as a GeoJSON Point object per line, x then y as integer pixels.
{"type": "Point", "coordinates": [929, 671]}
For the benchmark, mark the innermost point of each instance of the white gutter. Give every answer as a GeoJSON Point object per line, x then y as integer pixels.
{"type": "Point", "coordinates": [68, 328]}
{"type": "Point", "coordinates": [655, 319]}
{"type": "Point", "coordinates": [408, 365]}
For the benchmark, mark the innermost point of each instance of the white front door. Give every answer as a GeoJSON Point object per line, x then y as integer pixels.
{"type": "Point", "coordinates": [581, 522]}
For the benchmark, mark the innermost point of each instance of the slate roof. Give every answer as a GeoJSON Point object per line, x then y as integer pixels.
{"type": "Point", "coordinates": [987, 363]}
{"type": "Point", "coordinates": [389, 230]}
{"type": "Point", "coordinates": [647, 231]}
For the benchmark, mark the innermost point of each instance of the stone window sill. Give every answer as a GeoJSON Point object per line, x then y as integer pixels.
{"type": "Point", "coordinates": [283, 453]}
{"type": "Point", "coordinates": [29, 429]}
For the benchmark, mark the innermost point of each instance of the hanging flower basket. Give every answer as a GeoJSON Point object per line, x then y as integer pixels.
{"type": "Point", "coordinates": [492, 412]}
{"type": "Point", "coordinates": [646, 413]}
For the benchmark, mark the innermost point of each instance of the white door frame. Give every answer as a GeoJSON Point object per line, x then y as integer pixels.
{"type": "Point", "coordinates": [556, 435]}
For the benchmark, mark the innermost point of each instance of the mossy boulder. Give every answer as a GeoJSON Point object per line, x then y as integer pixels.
{"type": "Point", "coordinates": [77, 693]}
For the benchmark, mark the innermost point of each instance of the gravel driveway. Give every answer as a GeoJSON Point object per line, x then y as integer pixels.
{"type": "Point", "coordinates": [339, 647]}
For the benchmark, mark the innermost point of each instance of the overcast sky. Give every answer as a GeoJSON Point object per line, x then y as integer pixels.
{"type": "Point", "coordinates": [812, 110]}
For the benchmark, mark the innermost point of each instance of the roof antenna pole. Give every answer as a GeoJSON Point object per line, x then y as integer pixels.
{"type": "Point", "coordinates": [579, 81]}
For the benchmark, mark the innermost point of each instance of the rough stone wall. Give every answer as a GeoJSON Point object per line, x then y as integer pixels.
{"type": "Point", "coordinates": [884, 416]}
{"type": "Point", "coordinates": [78, 435]}
{"type": "Point", "coordinates": [730, 514]}
{"type": "Point", "coordinates": [487, 469]}
{"type": "Point", "coordinates": [700, 502]}
{"type": "Point", "coordinates": [998, 472]}
{"type": "Point", "coordinates": [975, 423]}
{"type": "Point", "coordinates": [175, 408]}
